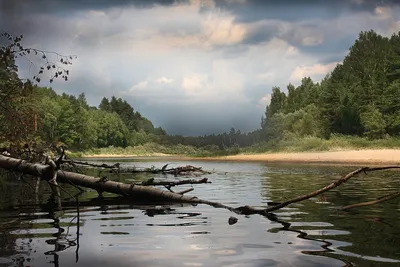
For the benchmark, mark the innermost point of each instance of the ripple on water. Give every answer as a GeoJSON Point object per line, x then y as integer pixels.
{"type": "Point", "coordinates": [306, 234]}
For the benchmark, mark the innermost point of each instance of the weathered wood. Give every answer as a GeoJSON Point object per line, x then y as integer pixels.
{"type": "Point", "coordinates": [151, 181]}
{"type": "Point", "coordinates": [84, 163]}
{"type": "Point", "coordinates": [175, 171]}
{"type": "Point", "coordinates": [99, 184]}
{"type": "Point", "coordinates": [185, 191]}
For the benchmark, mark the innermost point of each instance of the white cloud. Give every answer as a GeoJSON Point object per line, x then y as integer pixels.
{"type": "Point", "coordinates": [264, 101]}
{"type": "Point", "coordinates": [267, 77]}
{"type": "Point", "coordinates": [164, 80]}
{"type": "Point", "coordinates": [383, 12]}
{"type": "Point", "coordinates": [220, 29]}
{"type": "Point", "coordinates": [141, 85]}
{"type": "Point", "coordinates": [194, 83]}
{"type": "Point", "coordinates": [316, 71]}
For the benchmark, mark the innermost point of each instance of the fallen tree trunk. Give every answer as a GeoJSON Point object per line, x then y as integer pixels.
{"type": "Point", "coordinates": [135, 192]}
{"type": "Point", "coordinates": [98, 184]}
{"type": "Point", "coordinates": [184, 170]}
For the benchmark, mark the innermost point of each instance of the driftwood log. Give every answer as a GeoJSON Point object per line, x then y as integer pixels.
{"type": "Point", "coordinates": [184, 170]}
{"type": "Point", "coordinates": [98, 184]}
{"type": "Point", "coordinates": [88, 164]}
{"type": "Point", "coordinates": [177, 171]}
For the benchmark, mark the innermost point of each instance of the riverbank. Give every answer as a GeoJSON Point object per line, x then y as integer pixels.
{"type": "Point", "coordinates": [102, 156]}
{"type": "Point", "coordinates": [364, 156]}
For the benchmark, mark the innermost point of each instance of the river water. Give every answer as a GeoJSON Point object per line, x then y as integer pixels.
{"type": "Point", "coordinates": [36, 231]}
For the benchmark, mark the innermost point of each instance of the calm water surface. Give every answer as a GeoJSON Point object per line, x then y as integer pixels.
{"type": "Point", "coordinates": [36, 231]}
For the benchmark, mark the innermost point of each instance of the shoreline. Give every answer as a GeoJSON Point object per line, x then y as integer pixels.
{"type": "Point", "coordinates": [101, 156]}
{"type": "Point", "coordinates": [364, 156]}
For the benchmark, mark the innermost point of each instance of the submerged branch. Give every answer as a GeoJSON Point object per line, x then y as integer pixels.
{"type": "Point", "coordinates": [247, 210]}
{"type": "Point", "coordinates": [175, 171]}
{"type": "Point", "coordinates": [83, 163]}
{"type": "Point", "coordinates": [373, 202]}
{"type": "Point", "coordinates": [335, 184]}
{"type": "Point", "coordinates": [174, 183]}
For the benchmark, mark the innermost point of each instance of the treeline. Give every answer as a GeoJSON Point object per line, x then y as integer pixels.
{"type": "Point", "coordinates": [70, 120]}
{"type": "Point", "coordinates": [360, 97]}
{"type": "Point", "coordinates": [40, 115]}
{"type": "Point", "coordinates": [233, 138]}
{"type": "Point", "coordinates": [37, 115]}
{"type": "Point", "coordinates": [33, 114]}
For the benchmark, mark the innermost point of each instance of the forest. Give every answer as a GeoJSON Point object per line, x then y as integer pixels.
{"type": "Point", "coordinates": [359, 99]}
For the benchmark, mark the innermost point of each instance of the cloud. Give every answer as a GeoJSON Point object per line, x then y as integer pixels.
{"type": "Point", "coordinates": [140, 85]}
{"type": "Point", "coordinates": [164, 80]}
{"type": "Point", "coordinates": [358, 2]}
{"type": "Point", "coordinates": [220, 29]}
{"type": "Point", "coordinates": [193, 83]}
{"type": "Point", "coordinates": [317, 71]}
{"type": "Point", "coordinates": [217, 60]}
{"type": "Point", "coordinates": [264, 101]}
{"type": "Point", "coordinates": [268, 77]}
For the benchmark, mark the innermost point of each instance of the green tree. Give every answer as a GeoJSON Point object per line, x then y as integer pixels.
{"type": "Point", "coordinates": [105, 105]}
{"type": "Point", "coordinates": [373, 122]}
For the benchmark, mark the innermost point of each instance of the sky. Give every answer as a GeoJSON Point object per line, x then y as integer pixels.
{"type": "Point", "coordinates": [194, 67]}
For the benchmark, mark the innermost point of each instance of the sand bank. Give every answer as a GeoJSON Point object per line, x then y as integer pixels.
{"type": "Point", "coordinates": [367, 156]}
{"type": "Point", "coordinates": [126, 156]}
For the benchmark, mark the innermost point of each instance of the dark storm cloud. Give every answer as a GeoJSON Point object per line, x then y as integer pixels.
{"type": "Point", "coordinates": [289, 10]}
{"type": "Point", "coordinates": [46, 16]}
{"type": "Point", "coordinates": [197, 120]}
{"type": "Point", "coordinates": [234, 51]}
{"type": "Point", "coordinates": [65, 6]}
{"type": "Point", "coordinates": [256, 92]}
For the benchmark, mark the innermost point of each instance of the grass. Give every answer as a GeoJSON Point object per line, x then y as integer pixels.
{"type": "Point", "coordinates": [148, 149]}
{"type": "Point", "coordinates": [309, 143]}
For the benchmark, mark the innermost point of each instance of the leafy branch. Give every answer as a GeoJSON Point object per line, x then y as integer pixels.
{"type": "Point", "coordinates": [14, 49]}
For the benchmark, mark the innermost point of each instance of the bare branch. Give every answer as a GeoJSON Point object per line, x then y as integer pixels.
{"type": "Point", "coordinates": [174, 183]}
{"type": "Point", "coordinates": [103, 165]}
{"type": "Point", "coordinates": [369, 203]}
{"type": "Point", "coordinates": [185, 191]}
{"type": "Point", "coordinates": [344, 179]}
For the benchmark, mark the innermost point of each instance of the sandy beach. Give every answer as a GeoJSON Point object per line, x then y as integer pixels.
{"type": "Point", "coordinates": [367, 156]}
{"type": "Point", "coordinates": [125, 156]}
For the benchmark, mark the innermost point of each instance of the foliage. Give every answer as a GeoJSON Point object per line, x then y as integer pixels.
{"type": "Point", "coordinates": [355, 106]}
{"type": "Point", "coordinates": [311, 143]}
{"type": "Point", "coordinates": [359, 97]}
{"type": "Point", "coordinates": [373, 122]}
{"type": "Point", "coordinates": [18, 101]}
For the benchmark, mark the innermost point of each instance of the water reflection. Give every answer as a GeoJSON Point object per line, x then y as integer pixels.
{"type": "Point", "coordinates": [109, 231]}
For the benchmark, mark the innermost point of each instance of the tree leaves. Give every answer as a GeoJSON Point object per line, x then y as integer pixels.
{"type": "Point", "coordinates": [14, 49]}
{"type": "Point", "coordinates": [361, 95]}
